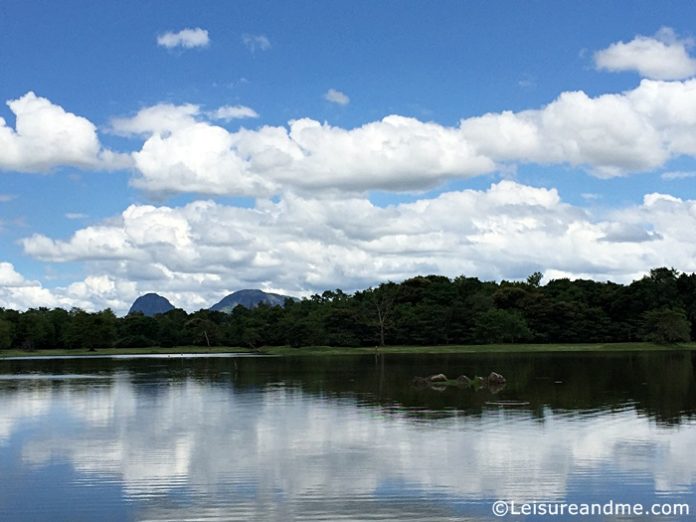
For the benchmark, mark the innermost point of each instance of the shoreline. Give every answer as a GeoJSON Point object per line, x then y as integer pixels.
{"type": "Point", "coordinates": [287, 351]}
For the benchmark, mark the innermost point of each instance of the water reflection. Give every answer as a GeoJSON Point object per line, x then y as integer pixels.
{"type": "Point", "coordinates": [339, 438]}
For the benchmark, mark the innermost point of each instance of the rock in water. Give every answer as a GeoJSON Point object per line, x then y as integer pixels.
{"type": "Point", "coordinates": [496, 379]}
{"type": "Point", "coordinates": [151, 304]}
{"type": "Point", "coordinates": [463, 381]}
{"type": "Point", "coordinates": [420, 382]}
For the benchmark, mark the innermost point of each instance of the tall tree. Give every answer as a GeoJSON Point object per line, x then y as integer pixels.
{"type": "Point", "coordinates": [380, 306]}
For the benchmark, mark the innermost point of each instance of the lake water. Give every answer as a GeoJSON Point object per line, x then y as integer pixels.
{"type": "Point", "coordinates": [342, 438]}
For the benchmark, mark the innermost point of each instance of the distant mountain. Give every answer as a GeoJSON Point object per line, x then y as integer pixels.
{"type": "Point", "coordinates": [151, 305]}
{"type": "Point", "coordinates": [249, 299]}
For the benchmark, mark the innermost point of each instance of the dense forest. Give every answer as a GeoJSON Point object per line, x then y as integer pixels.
{"type": "Point", "coordinates": [424, 310]}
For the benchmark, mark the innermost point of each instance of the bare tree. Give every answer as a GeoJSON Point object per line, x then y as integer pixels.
{"type": "Point", "coordinates": [383, 298]}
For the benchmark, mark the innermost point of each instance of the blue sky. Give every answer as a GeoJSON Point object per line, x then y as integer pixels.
{"type": "Point", "coordinates": [344, 198]}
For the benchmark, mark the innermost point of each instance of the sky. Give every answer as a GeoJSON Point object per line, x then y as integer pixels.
{"type": "Point", "coordinates": [198, 148]}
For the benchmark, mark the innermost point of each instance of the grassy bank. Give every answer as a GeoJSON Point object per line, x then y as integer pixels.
{"type": "Point", "coordinates": [329, 350]}
{"type": "Point", "coordinates": [482, 348]}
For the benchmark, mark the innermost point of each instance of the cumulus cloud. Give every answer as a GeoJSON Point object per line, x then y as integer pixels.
{"type": "Point", "coordinates": [394, 153]}
{"type": "Point", "coordinates": [661, 57]}
{"type": "Point", "coordinates": [196, 253]}
{"type": "Point", "coordinates": [95, 292]}
{"type": "Point", "coordinates": [612, 134]}
{"type": "Point", "coordinates": [608, 135]}
{"type": "Point", "coordinates": [186, 153]}
{"type": "Point", "coordinates": [233, 112]}
{"type": "Point", "coordinates": [256, 41]}
{"type": "Point", "coordinates": [9, 277]}
{"type": "Point", "coordinates": [157, 119]}
{"type": "Point", "coordinates": [198, 158]}
{"type": "Point", "coordinates": [187, 38]}
{"type": "Point", "coordinates": [17, 292]}
{"type": "Point", "coordinates": [46, 136]}
{"type": "Point", "coordinates": [336, 97]}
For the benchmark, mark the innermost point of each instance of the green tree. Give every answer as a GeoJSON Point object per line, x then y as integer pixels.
{"type": "Point", "coordinates": [534, 280]}
{"type": "Point", "coordinates": [6, 334]}
{"type": "Point", "coordinates": [170, 328]}
{"type": "Point", "coordinates": [35, 329]}
{"type": "Point", "coordinates": [501, 326]}
{"type": "Point", "coordinates": [666, 325]}
{"type": "Point", "coordinates": [90, 330]}
{"type": "Point", "coordinates": [137, 330]}
{"type": "Point", "coordinates": [341, 320]}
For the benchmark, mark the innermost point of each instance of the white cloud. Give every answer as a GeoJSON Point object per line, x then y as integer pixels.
{"type": "Point", "coordinates": [187, 38]}
{"type": "Point", "coordinates": [256, 41]}
{"type": "Point", "coordinates": [75, 215]}
{"type": "Point", "coordinates": [198, 158]}
{"type": "Point", "coordinates": [233, 112]}
{"type": "Point", "coordinates": [9, 277]}
{"type": "Point", "coordinates": [184, 154]}
{"type": "Point", "coordinates": [157, 119]}
{"type": "Point", "coordinates": [95, 292]}
{"type": "Point", "coordinates": [98, 292]}
{"type": "Point", "coordinates": [17, 292]}
{"type": "Point", "coordinates": [678, 174]}
{"type": "Point", "coordinates": [46, 136]}
{"type": "Point", "coordinates": [394, 153]}
{"type": "Point", "coordinates": [662, 57]}
{"type": "Point", "coordinates": [612, 134]}
{"type": "Point", "coordinates": [336, 97]}
{"type": "Point", "coordinates": [5, 198]}
{"type": "Point", "coordinates": [196, 253]}
{"type": "Point", "coordinates": [609, 135]}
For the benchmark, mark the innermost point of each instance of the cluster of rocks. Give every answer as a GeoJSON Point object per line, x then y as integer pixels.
{"type": "Point", "coordinates": [494, 382]}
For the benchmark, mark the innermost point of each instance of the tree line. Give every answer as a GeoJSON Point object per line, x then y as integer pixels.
{"type": "Point", "coordinates": [423, 310]}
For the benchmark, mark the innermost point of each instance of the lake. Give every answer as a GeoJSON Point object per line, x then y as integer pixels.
{"type": "Point", "coordinates": [343, 438]}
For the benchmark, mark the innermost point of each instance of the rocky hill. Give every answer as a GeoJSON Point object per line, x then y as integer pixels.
{"type": "Point", "coordinates": [249, 299]}
{"type": "Point", "coordinates": [151, 304]}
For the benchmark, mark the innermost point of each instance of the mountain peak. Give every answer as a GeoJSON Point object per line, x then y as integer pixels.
{"type": "Point", "coordinates": [151, 304]}
{"type": "Point", "coordinates": [249, 298]}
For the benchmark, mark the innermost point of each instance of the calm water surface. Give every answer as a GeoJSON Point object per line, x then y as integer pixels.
{"type": "Point", "coordinates": [341, 438]}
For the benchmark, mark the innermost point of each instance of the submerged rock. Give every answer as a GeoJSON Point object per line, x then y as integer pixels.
{"type": "Point", "coordinates": [496, 379]}
{"type": "Point", "coordinates": [463, 381]}
{"type": "Point", "coordinates": [420, 382]}
{"type": "Point", "coordinates": [438, 382]}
